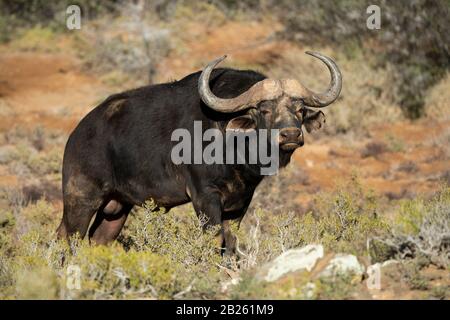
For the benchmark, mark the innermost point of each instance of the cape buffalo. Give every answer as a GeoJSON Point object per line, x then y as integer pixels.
{"type": "Point", "coordinates": [119, 155]}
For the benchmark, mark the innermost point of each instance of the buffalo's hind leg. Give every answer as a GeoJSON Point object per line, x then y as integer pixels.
{"type": "Point", "coordinates": [82, 198]}
{"type": "Point", "coordinates": [77, 215]}
{"type": "Point", "coordinates": [108, 222]}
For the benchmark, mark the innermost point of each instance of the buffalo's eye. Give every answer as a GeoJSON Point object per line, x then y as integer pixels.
{"type": "Point", "coordinates": [265, 108]}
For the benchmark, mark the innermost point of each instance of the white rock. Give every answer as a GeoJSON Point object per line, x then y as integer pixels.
{"type": "Point", "coordinates": [389, 262]}
{"type": "Point", "coordinates": [341, 264]}
{"type": "Point", "coordinates": [294, 260]}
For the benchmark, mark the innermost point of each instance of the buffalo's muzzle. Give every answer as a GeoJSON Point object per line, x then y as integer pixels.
{"type": "Point", "coordinates": [291, 138]}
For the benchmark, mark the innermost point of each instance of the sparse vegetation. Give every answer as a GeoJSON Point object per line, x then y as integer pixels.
{"type": "Point", "coordinates": [373, 149]}
{"type": "Point", "coordinates": [167, 255]}
{"type": "Point", "coordinates": [341, 222]}
{"type": "Point", "coordinates": [422, 231]}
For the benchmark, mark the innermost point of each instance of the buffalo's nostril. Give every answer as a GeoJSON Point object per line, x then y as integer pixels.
{"type": "Point", "coordinates": [290, 134]}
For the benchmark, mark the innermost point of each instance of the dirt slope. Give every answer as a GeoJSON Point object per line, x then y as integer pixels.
{"type": "Point", "coordinates": [45, 89]}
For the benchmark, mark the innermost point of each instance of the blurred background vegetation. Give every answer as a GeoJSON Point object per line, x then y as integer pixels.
{"type": "Point", "coordinates": [413, 38]}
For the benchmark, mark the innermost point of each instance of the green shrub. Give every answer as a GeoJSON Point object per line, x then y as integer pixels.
{"type": "Point", "coordinates": [179, 236]}
{"type": "Point", "coordinates": [421, 230]}
{"type": "Point", "coordinates": [37, 283]}
{"type": "Point", "coordinates": [410, 216]}
{"type": "Point", "coordinates": [337, 288]}
{"type": "Point", "coordinates": [112, 272]}
{"type": "Point", "coordinates": [249, 288]}
{"type": "Point", "coordinates": [36, 38]}
{"type": "Point", "coordinates": [27, 160]}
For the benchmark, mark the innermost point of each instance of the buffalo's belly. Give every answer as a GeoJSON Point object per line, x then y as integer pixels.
{"type": "Point", "coordinates": [168, 199]}
{"type": "Point", "coordinates": [166, 192]}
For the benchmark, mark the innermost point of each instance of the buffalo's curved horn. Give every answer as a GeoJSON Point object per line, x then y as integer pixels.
{"type": "Point", "coordinates": [310, 98]}
{"type": "Point", "coordinates": [266, 89]}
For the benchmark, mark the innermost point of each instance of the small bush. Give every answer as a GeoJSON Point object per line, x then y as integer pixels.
{"type": "Point", "coordinates": [37, 283]}
{"type": "Point", "coordinates": [395, 144]}
{"type": "Point", "coordinates": [28, 161]}
{"type": "Point", "coordinates": [112, 272]}
{"type": "Point", "coordinates": [422, 229]}
{"type": "Point", "coordinates": [180, 237]}
{"type": "Point", "coordinates": [36, 38]}
{"type": "Point", "coordinates": [408, 167]}
{"type": "Point", "coordinates": [373, 149]}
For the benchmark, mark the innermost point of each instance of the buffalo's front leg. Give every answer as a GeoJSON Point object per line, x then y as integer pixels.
{"type": "Point", "coordinates": [210, 205]}
{"type": "Point", "coordinates": [229, 239]}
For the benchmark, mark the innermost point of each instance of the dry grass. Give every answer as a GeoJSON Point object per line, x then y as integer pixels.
{"type": "Point", "coordinates": [438, 100]}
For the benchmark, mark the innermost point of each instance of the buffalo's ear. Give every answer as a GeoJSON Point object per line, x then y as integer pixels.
{"type": "Point", "coordinates": [245, 122]}
{"type": "Point", "coordinates": [313, 120]}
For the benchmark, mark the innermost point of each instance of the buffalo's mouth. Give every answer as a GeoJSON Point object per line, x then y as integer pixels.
{"type": "Point", "coordinates": [290, 146]}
